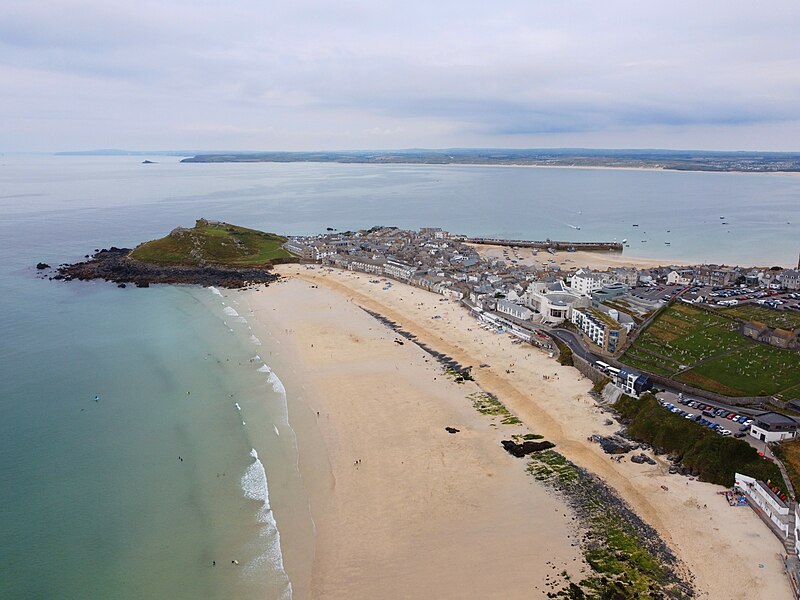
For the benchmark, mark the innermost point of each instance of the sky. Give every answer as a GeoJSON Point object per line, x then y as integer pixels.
{"type": "Point", "coordinates": [352, 74]}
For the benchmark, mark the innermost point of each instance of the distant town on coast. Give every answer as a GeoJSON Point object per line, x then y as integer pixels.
{"type": "Point", "coordinates": [674, 160]}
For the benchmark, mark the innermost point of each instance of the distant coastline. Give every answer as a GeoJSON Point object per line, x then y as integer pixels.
{"type": "Point", "coordinates": [665, 160]}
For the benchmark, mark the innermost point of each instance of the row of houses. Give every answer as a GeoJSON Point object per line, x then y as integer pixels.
{"type": "Point", "coordinates": [433, 259]}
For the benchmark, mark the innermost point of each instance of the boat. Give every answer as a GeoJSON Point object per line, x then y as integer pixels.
{"type": "Point", "coordinates": [551, 250]}
{"type": "Point", "coordinates": [667, 243]}
{"type": "Point", "coordinates": [635, 225]}
{"type": "Point", "coordinates": [625, 241]}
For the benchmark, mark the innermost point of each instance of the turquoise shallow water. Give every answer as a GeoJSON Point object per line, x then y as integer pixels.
{"type": "Point", "coordinates": [94, 502]}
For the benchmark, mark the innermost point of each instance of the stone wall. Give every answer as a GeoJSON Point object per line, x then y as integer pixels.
{"type": "Point", "coordinates": [587, 369]}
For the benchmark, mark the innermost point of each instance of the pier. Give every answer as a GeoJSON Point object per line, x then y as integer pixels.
{"type": "Point", "coordinates": [555, 245]}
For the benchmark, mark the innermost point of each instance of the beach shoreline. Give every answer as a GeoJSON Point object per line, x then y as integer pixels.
{"type": "Point", "coordinates": [397, 500]}
{"type": "Point", "coordinates": [598, 261]}
{"type": "Point", "coordinates": [690, 516]}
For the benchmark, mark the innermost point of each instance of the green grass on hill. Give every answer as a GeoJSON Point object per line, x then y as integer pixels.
{"type": "Point", "coordinates": [789, 453]}
{"type": "Point", "coordinates": [682, 337]}
{"type": "Point", "coordinates": [782, 319]}
{"type": "Point", "coordinates": [213, 244]}
{"type": "Point", "coordinates": [757, 370]}
{"type": "Point", "coordinates": [714, 458]}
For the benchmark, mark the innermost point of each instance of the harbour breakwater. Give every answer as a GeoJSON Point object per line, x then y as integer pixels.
{"type": "Point", "coordinates": [544, 245]}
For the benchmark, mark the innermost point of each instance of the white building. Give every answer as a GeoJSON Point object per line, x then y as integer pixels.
{"type": "Point", "coordinates": [553, 300]}
{"type": "Point", "coordinates": [600, 328]}
{"type": "Point", "coordinates": [366, 265]}
{"type": "Point", "coordinates": [797, 528]}
{"type": "Point", "coordinates": [683, 277]}
{"type": "Point", "coordinates": [773, 427]}
{"type": "Point", "coordinates": [633, 383]}
{"type": "Point", "coordinates": [585, 282]}
{"type": "Point", "coordinates": [515, 310]}
{"type": "Point", "coordinates": [765, 502]}
{"type": "Point", "coordinates": [790, 279]}
{"type": "Point", "coordinates": [399, 270]}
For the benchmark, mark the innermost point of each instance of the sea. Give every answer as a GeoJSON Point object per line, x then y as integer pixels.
{"type": "Point", "coordinates": [147, 447]}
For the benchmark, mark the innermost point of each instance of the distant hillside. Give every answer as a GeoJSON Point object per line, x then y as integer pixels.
{"type": "Point", "coordinates": [213, 243]}
{"type": "Point", "coordinates": [680, 160]}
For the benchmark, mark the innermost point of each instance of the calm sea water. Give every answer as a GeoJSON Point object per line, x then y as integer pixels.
{"type": "Point", "coordinates": [94, 500]}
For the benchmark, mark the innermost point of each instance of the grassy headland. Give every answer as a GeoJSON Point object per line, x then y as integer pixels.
{"type": "Point", "coordinates": [213, 243]}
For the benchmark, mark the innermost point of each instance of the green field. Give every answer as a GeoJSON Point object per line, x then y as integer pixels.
{"type": "Point", "coordinates": [781, 319]}
{"type": "Point", "coordinates": [706, 350]}
{"type": "Point", "coordinates": [213, 244]}
{"type": "Point", "coordinates": [683, 335]}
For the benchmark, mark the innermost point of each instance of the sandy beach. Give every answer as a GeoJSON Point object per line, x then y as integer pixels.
{"type": "Point", "coordinates": [598, 261]}
{"type": "Point", "coordinates": [402, 508]}
{"type": "Point", "coordinates": [729, 552]}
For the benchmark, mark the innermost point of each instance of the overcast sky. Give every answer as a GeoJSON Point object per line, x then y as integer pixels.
{"type": "Point", "coordinates": [349, 74]}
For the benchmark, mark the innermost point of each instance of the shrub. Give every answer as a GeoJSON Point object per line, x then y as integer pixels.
{"type": "Point", "coordinates": [712, 457]}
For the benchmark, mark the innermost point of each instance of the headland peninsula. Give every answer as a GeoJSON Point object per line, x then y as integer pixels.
{"type": "Point", "coordinates": [210, 253]}
{"type": "Point", "coordinates": [426, 364]}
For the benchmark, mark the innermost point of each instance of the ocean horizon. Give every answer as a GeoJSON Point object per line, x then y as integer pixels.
{"type": "Point", "coordinates": [147, 433]}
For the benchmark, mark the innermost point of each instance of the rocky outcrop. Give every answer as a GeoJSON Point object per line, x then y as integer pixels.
{"type": "Point", "coordinates": [525, 448]}
{"type": "Point", "coordinates": [642, 458]}
{"type": "Point", "coordinates": [614, 444]}
{"type": "Point", "coordinates": [42, 265]}
{"type": "Point", "coordinates": [114, 264]}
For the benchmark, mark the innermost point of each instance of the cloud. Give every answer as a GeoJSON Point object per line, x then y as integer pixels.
{"type": "Point", "coordinates": [314, 74]}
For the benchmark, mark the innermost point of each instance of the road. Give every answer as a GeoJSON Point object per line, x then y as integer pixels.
{"type": "Point", "coordinates": [575, 344]}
